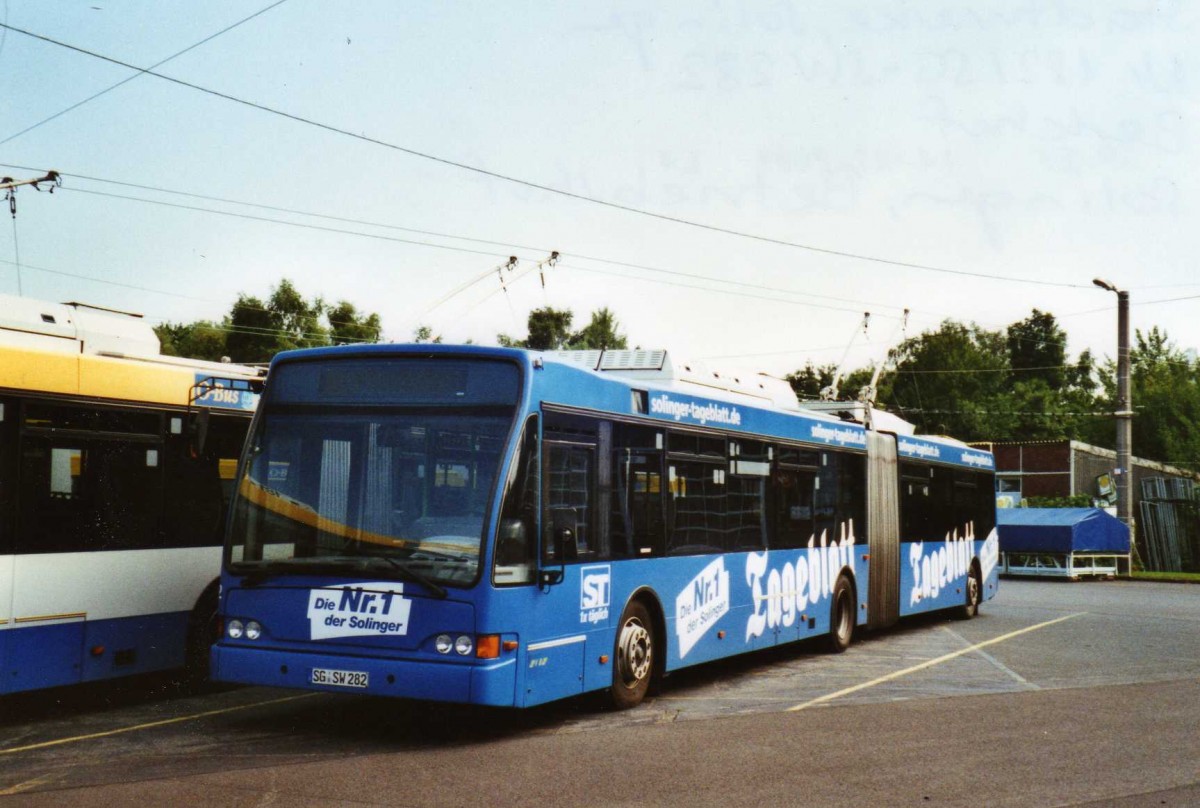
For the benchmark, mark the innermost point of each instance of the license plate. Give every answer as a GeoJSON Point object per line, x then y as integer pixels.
{"type": "Point", "coordinates": [325, 676]}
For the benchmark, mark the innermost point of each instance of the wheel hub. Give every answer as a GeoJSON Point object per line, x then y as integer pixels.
{"type": "Point", "coordinates": [633, 652]}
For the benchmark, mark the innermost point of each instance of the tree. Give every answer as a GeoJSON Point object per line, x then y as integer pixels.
{"type": "Point", "coordinates": [550, 330]}
{"type": "Point", "coordinates": [952, 381]}
{"type": "Point", "coordinates": [424, 333]}
{"type": "Point", "coordinates": [298, 321]}
{"type": "Point", "coordinates": [977, 384]}
{"type": "Point", "coordinates": [256, 330]}
{"type": "Point", "coordinates": [1037, 349]}
{"type": "Point", "coordinates": [202, 339]}
{"type": "Point", "coordinates": [347, 326]}
{"type": "Point", "coordinates": [253, 332]}
{"type": "Point", "coordinates": [1166, 401]}
{"type": "Point", "coordinates": [601, 332]}
{"type": "Point", "coordinates": [810, 380]}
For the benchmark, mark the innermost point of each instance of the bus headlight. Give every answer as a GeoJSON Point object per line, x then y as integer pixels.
{"type": "Point", "coordinates": [253, 630]}
{"type": "Point", "coordinates": [463, 645]}
{"type": "Point", "coordinates": [235, 629]}
{"type": "Point", "coordinates": [443, 643]}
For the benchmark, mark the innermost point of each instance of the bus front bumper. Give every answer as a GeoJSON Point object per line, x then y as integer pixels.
{"type": "Point", "coordinates": [491, 682]}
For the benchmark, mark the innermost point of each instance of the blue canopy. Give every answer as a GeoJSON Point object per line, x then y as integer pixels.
{"type": "Point", "coordinates": [1060, 530]}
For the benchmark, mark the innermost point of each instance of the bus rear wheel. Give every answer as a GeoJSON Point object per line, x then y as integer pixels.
{"type": "Point", "coordinates": [974, 592]}
{"type": "Point", "coordinates": [841, 616]}
{"type": "Point", "coordinates": [633, 657]}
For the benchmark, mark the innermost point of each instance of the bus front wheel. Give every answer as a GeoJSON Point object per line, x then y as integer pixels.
{"type": "Point", "coordinates": [633, 657]}
{"type": "Point", "coordinates": [841, 616]}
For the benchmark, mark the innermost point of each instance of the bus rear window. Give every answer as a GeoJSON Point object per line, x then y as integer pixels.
{"type": "Point", "coordinates": [397, 382]}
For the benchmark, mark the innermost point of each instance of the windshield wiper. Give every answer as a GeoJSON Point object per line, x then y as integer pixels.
{"type": "Point", "coordinates": [264, 571]}
{"type": "Point", "coordinates": [351, 563]}
{"type": "Point", "coordinates": [413, 575]}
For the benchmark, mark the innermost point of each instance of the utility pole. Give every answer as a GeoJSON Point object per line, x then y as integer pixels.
{"type": "Point", "coordinates": [1124, 411]}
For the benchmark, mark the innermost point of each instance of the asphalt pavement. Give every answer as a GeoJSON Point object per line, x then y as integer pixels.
{"type": "Point", "coordinates": [1058, 694]}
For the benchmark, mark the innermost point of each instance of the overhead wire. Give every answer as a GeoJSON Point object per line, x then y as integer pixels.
{"type": "Point", "coordinates": [278, 209]}
{"type": "Point", "coordinates": [140, 288]}
{"type": "Point", "coordinates": [140, 73]}
{"type": "Point", "coordinates": [489, 272]}
{"type": "Point", "coordinates": [252, 217]}
{"type": "Point", "coordinates": [508, 245]}
{"type": "Point", "coordinates": [539, 186]}
{"type": "Point", "coordinates": [484, 275]}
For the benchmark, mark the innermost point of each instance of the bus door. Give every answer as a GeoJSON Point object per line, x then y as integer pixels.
{"type": "Point", "coordinates": [8, 414]}
{"type": "Point", "coordinates": [883, 530]}
{"type": "Point", "coordinates": [570, 621]}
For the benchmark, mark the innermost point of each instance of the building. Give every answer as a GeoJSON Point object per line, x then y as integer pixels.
{"type": "Point", "coordinates": [1164, 497]}
{"type": "Point", "coordinates": [1065, 468]}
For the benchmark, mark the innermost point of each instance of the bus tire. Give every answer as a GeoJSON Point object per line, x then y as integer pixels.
{"type": "Point", "coordinates": [974, 595]}
{"type": "Point", "coordinates": [203, 631]}
{"type": "Point", "coordinates": [633, 657]}
{"type": "Point", "coordinates": [841, 616]}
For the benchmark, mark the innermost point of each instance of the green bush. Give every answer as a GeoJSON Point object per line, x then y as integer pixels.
{"type": "Point", "coordinates": [1077, 501]}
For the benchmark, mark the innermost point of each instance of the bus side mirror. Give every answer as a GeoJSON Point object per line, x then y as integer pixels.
{"type": "Point", "coordinates": [199, 430]}
{"type": "Point", "coordinates": [566, 545]}
{"type": "Point", "coordinates": [563, 543]}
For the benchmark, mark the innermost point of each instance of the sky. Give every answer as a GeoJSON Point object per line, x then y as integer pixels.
{"type": "Point", "coordinates": [738, 181]}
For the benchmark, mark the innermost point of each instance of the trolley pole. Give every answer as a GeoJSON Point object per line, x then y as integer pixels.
{"type": "Point", "coordinates": [1124, 411]}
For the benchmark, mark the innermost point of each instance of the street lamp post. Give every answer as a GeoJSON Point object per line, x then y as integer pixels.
{"type": "Point", "coordinates": [1124, 411]}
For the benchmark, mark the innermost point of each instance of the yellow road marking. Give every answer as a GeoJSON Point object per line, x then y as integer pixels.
{"type": "Point", "coordinates": [151, 724]}
{"type": "Point", "coordinates": [929, 663]}
{"type": "Point", "coordinates": [28, 784]}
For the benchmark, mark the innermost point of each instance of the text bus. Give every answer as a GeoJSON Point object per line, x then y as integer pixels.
{"type": "Point", "coordinates": [111, 501]}
{"type": "Point", "coordinates": [499, 527]}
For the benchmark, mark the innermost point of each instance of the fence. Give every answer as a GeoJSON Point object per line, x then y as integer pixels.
{"type": "Point", "coordinates": [1169, 530]}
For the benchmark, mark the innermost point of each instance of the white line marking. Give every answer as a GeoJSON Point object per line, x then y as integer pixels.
{"type": "Point", "coordinates": [929, 663]}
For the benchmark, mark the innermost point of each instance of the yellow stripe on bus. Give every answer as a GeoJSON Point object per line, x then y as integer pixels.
{"type": "Point", "coordinates": [38, 370]}
{"type": "Point", "coordinates": [305, 515]}
{"type": "Point", "coordinates": [94, 376]}
{"type": "Point", "coordinates": [118, 378]}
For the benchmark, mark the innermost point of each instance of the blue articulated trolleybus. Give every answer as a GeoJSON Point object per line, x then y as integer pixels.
{"type": "Point", "coordinates": [502, 527]}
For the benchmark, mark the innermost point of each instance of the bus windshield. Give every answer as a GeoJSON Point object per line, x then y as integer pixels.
{"type": "Point", "coordinates": [397, 491]}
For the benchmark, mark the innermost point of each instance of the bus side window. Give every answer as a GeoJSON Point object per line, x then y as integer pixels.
{"type": "Point", "coordinates": [636, 521]}
{"type": "Point", "coordinates": [570, 482]}
{"type": "Point", "coordinates": [516, 536]}
{"type": "Point", "coordinates": [127, 483]}
{"type": "Point", "coordinates": [974, 503]}
{"type": "Point", "coordinates": [7, 495]}
{"type": "Point", "coordinates": [698, 505]}
{"type": "Point", "coordinates": [84, 486]}
{"type": "Point", "coordinates": [852, 496]}
{"type": "Point", "coordinates": [199, 486]}
{"type": "Point", "coordinates": [52, 504]}
{"type": "Point", "coordinates": [984, 514]}
{"type": "Point", "coordinates": [916, 503]}
{"type": "Point", "coordinates": [793, 494]}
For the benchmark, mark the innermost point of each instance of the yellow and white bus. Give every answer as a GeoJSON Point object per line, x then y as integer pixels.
{"type": "Point", "coordinates": [116, 464]}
